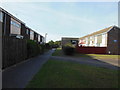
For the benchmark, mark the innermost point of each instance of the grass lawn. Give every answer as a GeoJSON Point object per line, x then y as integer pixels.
{"type": "Point", "coordinates": [63, 74]}
{"type": "Point", "coordinates": [100, 56]}
{"type": "Point", "coordinates": [59, 52]}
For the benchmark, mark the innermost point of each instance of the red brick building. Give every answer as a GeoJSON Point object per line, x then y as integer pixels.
{"type": "Point", "coordinates": [108, 37]}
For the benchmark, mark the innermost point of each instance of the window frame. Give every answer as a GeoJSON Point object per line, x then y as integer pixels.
{"type": "Point", "coordinates": [15, 24]}
{"type": "Point", "coordinates": [1, 16]}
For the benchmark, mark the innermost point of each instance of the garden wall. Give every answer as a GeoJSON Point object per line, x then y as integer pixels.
{"type": "Point", "coordinates": [91, 50]}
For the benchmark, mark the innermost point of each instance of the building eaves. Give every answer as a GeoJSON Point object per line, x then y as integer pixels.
{"type": "Point", "coordinates": [98, 32]}
{"type": "Point", "coordinates": [1, 9]}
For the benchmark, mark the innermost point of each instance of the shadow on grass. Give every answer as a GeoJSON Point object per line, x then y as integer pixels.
{"type": "Point", "coordinates": [60, 52]}
{"type": "Point", "coordinates": [84, 57]}
{"type": "Point", "coordinates": [62, 74]}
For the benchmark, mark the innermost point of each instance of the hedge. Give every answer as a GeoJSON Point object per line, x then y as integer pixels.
{"type": "Point", "coordinates": [34, 49]}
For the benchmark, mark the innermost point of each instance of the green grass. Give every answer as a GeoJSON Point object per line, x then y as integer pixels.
{"type": "Point", "coordinates": [59, 52]}
{"type": "Point", "coordinates": [100, 56]}
{"type": "Point", "coordinates": [63, 74]}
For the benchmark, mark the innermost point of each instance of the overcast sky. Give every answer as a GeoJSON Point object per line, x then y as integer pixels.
{"type": "Point", "coordinates": [64, 19]}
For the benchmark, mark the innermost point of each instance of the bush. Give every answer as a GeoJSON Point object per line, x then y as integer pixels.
{"type": "Point", "coordinates": [42, 48]}
{"type": "Point", "coordinates": [34, 49]}
{"type": "Point", "coordinates": [48, 46]}
{"type": "Point", "coordinates": [68, 50]}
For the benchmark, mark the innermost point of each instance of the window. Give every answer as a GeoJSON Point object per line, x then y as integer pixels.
{"type": "Point", "coordinates": [31, 35]}
{"type": "Point", "coordinates": [41, 39]}
{"type": "Point", "coordinates": [1, 16]}
{"type": "Point", "coordinates": [15, 24]}
{"type": "Point", "coordinates": [73, 41]}
{"type": "Point", "coordinates": [91, 37]}
{"type": "Point", "coordinates": [15, 27]}
{"type": "Point", "coordinates": [38, 38]}
{"type": "Point", "coordinates": [31, 32]}
{"type": "Point", "coordinates": [27, 31]}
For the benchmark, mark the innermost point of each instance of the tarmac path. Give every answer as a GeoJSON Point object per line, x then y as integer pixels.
{"type": "Point", "coordinates": [19, 75]}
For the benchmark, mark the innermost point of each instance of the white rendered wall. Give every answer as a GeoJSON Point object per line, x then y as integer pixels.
{"type": "Point", "coordinates": [104, 40]}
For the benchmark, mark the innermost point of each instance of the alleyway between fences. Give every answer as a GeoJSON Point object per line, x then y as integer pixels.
{"type": "Point", "coordinates": [18, 76]}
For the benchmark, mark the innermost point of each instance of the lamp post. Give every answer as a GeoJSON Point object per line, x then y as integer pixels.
{"type": "Point", "coordinates": [45, 37]}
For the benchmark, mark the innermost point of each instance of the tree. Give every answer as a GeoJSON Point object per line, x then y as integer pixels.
{"type": "Point", "coordinates": [51, 42]}
{"type": "Point", "coordinates": [57, 43]}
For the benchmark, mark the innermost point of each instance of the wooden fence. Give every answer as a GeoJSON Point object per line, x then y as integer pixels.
{"type": "Point", "coordinates": [14, 51]}
{"type": "Point", "coordinates": [91, 50]}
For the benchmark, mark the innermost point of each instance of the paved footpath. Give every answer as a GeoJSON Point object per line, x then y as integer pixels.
{"type": "Point", "coordinates": [18, 76]}
{"type": "Point", "coordinates": [87, 61]}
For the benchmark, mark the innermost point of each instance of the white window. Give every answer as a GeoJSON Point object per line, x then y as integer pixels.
{"type": "Point", "coordinates": [15, 24]}
{"type": "Point", "coordinates": [91, 37]}
{"type": "Point", "coordinates": [103, 39]}
{"type": "Point", "coordinates": [15, 27]}
{"type": "Point", "coordinates": [31, 35]}
{"type": "Point", "coordinates": [95, 41]}
{"type": "Point", "coordinates": [38, 38]}
{"type": "Point", "coordinates": [43, 39]}
{"type": "Point", "coordinates": [106, 39]}
{"type": "Point", "coordinates": [1, 16]}
{"type": "Point", "coordinates": [27, 31]}
{"type": "Point", "coordinates": [86, 41]}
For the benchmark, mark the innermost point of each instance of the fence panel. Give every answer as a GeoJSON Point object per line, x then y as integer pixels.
{"type": "Point", "coordinates": [91, 50]}
{"type": "Point", "coordinates": [14, 51]}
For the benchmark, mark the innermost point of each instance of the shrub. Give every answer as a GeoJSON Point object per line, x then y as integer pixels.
{"type": "Point", "coordinates": [69, 45]}
{"type": "Point", "coordinates": [34, 49]}
{"type": "Point", "coordinates": [68, 50]}
{"type": "Point", "coordinates": [48, 46]}
{"type": "Point", "coordinates": [42, 48]}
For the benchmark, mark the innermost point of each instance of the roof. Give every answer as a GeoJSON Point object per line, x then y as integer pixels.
{"type": "Point", "coordinates": [1, 9]}
{"type": "Point", "coordinates": [69, 38]}
{"type": "Point", "coordinates": [98, 32]}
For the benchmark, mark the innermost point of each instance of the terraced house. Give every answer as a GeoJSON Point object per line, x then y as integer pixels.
{"type": "Point", "coordinates": [13, 27]}
{"type": "Point", "coordinates": [108, 37]}
{"type": "Point", "coordinates": [16, 38]}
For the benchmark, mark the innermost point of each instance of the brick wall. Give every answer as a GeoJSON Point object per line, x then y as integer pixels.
{"type": "Point", "coordinates": [113, 45]}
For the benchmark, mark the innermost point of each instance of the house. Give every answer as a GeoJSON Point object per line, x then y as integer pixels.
{"type": "Point", "coordinates": [14, 35]}
{"type": "Point", "coordinates": [13, 27]}
{"type": "Point", "coordinates": [108, 37]}
{"type": "Point", "coordinates": [69, 40]}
